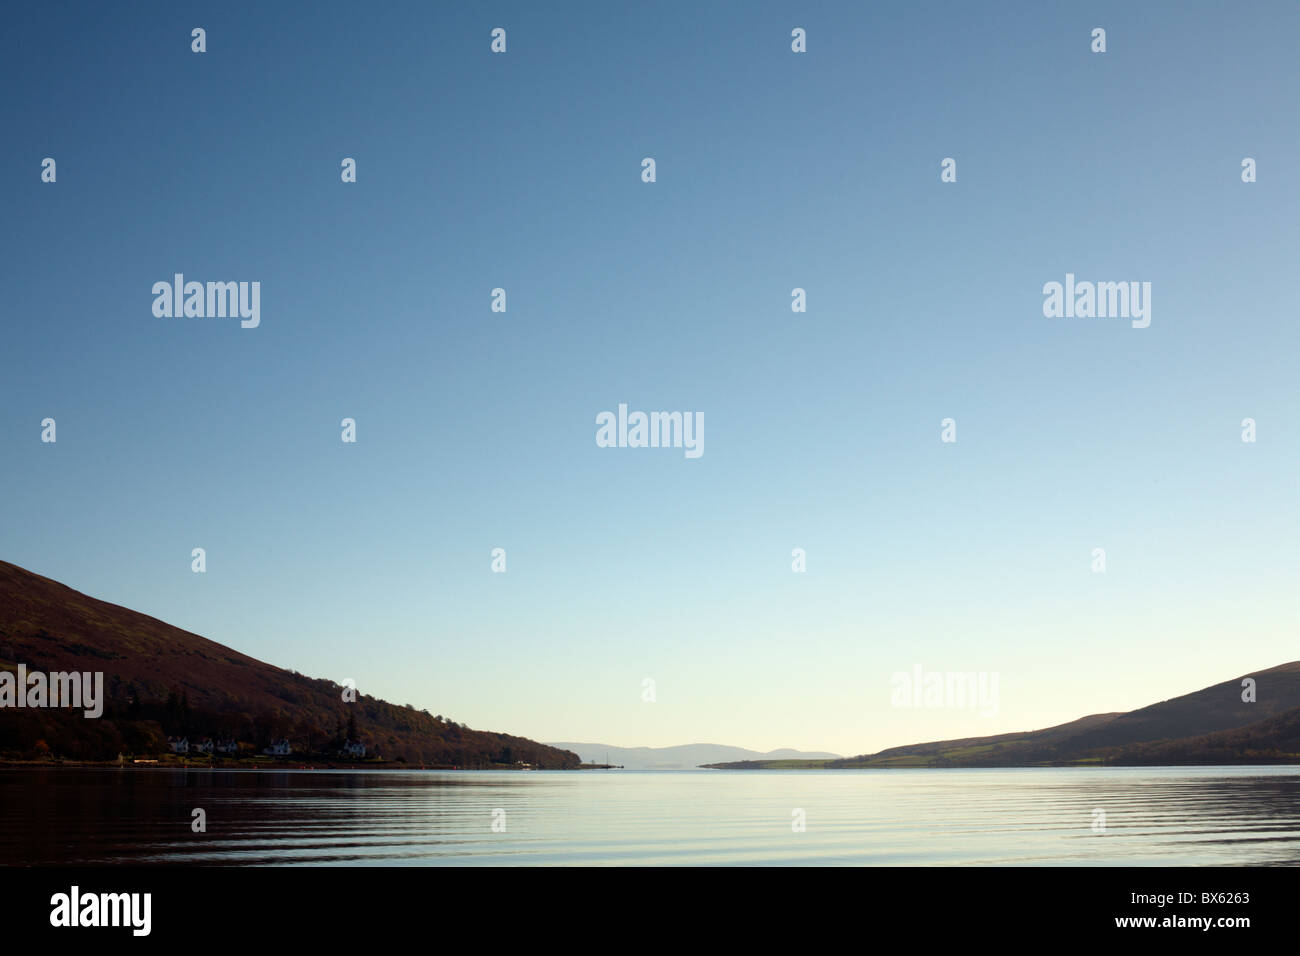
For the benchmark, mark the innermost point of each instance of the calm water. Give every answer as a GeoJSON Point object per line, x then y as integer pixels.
{"type": "Point", "coordinates": [1183, 816]}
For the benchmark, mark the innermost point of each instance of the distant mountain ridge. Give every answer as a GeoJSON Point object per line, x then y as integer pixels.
{"type": "Point", "coordinates": [680, 757]}
{"type": "Point", "coordinates": [161, 680]}
{"type": "Point", "coordinates": [1211, 725]}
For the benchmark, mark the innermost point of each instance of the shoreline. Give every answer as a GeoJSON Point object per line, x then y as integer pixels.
{"type": "Point", "coordinates": [284, 765]}
{"type": "Point", "coordinates": [279, 765]}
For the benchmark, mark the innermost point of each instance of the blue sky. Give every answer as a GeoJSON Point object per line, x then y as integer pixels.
{"type": "Point", "coordinates": [476, 430]}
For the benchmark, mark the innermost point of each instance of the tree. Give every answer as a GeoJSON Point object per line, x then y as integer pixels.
{"type": "Point", "coordinates": [172, 713]}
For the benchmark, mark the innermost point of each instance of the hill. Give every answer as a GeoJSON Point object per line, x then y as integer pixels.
{"type": "Point", "coordinates": [680, 757]}
{"type": "Point", "coordinates": [1212, 725]}
{"type": "Point", "coordinates": [160, 680]}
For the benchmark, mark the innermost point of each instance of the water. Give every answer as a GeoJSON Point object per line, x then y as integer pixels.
{"type": "Point", "coordinates": [1153, 817]}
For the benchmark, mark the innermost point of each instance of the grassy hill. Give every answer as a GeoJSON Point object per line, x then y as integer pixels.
{"type": "Point", "coordinates": [1274, 740]}
{"type": "Point", "coordinates": [1212, 725]}
{"type": "Point", "coordinates": [161, 680]}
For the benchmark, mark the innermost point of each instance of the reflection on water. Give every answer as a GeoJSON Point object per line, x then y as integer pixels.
{"type": "Point", "coordinates": [1166, 816]}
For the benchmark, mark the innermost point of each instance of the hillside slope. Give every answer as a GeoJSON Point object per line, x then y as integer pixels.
{"type": "Point", "coordinates": [1206, 726]}
{"type": "Point", "coordinates": [161, 680]}
{"type": "Point", "coordinates": [1273, 740]}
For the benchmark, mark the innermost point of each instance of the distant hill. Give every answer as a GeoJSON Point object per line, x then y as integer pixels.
{"type": "Point", "coordinates": [681, 757]}
{"type": "Point", "coordinates": [1212, 725]}
{"type": "Point", "coordinates": [160, 680]}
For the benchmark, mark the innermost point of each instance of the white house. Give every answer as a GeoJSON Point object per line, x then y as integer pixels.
{"type": "Point", "coordinates": [228, 747]}
{"type": "Point", "coordinates": [279, 748]}
{"type": "Point", "coordinates": [204, 746]}
{"type": "Point", "coordinates": [179, 745]}
{"type": "Point", "coordinates": [354, 748]}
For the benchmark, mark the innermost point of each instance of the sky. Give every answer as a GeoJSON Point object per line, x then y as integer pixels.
{"type": "Point", "coordinates": [476, 429]}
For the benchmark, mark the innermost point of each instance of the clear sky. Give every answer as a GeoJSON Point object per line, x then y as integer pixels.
{"type": "Point", "coordinates": [476, 430]}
